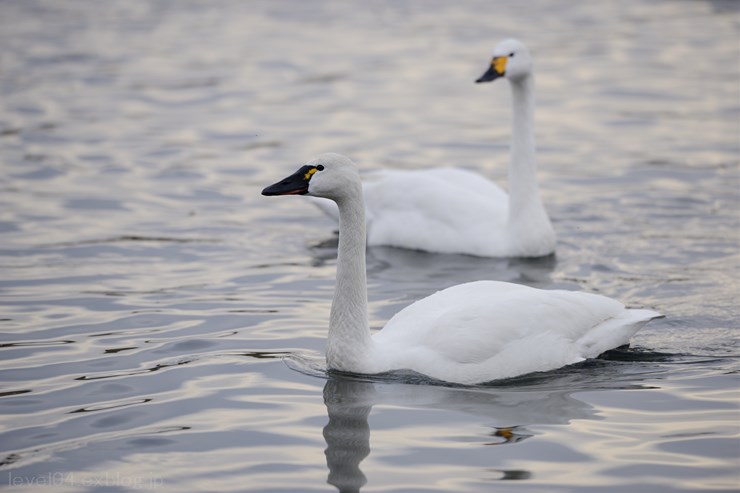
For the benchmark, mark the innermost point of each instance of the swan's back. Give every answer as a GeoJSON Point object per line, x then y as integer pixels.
{"type": "Point", "coordinates": [440, 210]}
{"type": "Point", "coordinates": [488, 330]}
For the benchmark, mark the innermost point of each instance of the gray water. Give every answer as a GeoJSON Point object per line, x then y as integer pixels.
{"type": "Point", "coordinates": [162, 324]}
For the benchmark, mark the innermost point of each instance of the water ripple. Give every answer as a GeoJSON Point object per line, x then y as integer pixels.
{"type": "Point", "coordinates": [162, 325]}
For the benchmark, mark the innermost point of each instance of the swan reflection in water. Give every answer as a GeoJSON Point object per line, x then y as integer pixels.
{"type": "Point", "coordinates": [398, 269]}
{"type": "Point", "coordinates": [544, 399]}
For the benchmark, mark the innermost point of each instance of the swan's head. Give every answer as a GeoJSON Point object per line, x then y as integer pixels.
{"type": "Point", "coordinates": [511, 59]}
{"type": "Point", "coordinates": [331, 176]}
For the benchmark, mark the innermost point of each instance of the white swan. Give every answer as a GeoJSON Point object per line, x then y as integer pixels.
{"type": "Point", "coordinates": [469, 333]}
{"type": "Point", "coordinates": [450, 210]}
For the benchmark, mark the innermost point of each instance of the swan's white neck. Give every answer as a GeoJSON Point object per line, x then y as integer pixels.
{"type": "Point", "coordinates": [523, 190]}
{"type": "Point", "coordinates": [349, 339]}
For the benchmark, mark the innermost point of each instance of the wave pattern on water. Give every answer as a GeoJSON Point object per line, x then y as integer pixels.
{"type": "Point", "coordinates": [162, 326]}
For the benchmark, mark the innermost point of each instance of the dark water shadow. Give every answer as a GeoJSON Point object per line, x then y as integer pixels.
{"type": "Point", "coordinates": [398, 267]}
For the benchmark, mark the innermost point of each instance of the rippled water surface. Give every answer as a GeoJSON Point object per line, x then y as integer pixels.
{"type": "Point", "coordinates": [161, 323]}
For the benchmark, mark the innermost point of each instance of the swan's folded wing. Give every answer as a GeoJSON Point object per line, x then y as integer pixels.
{"type": "Point", "coordinates": [428, 210]}
{"type": "Point", "coordinates": [503, 330]}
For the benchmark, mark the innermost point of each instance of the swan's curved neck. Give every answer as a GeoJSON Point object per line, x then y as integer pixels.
{"type": "Point", "coordinates": [349, 330]}
{"type": "Point", "coordinates": [523, 191]}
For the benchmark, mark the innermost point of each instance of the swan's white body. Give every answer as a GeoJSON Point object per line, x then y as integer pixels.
{"type": "Point", "coordinates": [449, 210]}
{"type": "Point", "coordinates": [475, 331]}
{"type": "Point", "coordinates": [470, 333]}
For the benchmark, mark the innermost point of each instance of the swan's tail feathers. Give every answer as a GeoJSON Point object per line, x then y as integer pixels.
{"type": "Point", "coordinates": [615, 332]}
{"type": "Point", "coordinates": [327, 206]}
{"type": "Point", "coordinates": [645, 315]}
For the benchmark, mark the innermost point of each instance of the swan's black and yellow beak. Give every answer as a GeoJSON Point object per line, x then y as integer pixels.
{"type": "Point", "coordinates": [496, 70]}
{"type": "Point", "coordinates": [295, 184]}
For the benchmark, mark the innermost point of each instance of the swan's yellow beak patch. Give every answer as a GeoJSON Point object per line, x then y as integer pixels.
{"type": "Point", "coordinates": [499, 64]}
{"type": "Point", "coordinates": [309, 174]}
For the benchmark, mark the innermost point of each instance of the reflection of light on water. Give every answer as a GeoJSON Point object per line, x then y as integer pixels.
{"type": "Point", "coordinates": [655, 434]}
{"type": "Point", "coordinates": [135, 138]}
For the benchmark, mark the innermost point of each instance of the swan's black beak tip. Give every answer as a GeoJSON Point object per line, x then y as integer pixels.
{"type": "Point", "coordinates": [295, 184]}
{"type": "Point", "coordinates": [491, 74]}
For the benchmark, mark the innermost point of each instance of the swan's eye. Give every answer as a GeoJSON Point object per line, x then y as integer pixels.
{"type": "Point", "coordinates": [511, 55]}
{"type": "Point", "coordinates": [309, 171]}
